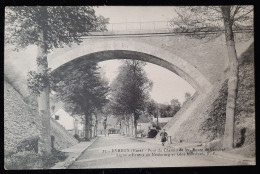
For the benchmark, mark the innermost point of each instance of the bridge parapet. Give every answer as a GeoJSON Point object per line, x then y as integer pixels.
{"type": "Point", "coordinates": [140, 26]}
{"type": "Point", "coordinates": [157, 27]}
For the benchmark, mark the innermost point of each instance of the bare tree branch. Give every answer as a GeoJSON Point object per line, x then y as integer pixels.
{"type": "Point", "coordinates": [235, 12]}
{"type": "Point", "coordinates": [244, 14]}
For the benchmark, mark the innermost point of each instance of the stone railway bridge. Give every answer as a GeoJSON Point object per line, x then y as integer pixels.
{"type": "Point", "coordinates": [201, 63]}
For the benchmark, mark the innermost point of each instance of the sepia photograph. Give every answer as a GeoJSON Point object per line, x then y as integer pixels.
{"type": "Point", "coordinates": [109, 87]}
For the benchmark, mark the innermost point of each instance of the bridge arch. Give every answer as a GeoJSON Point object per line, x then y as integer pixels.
{"type": "Point", "coordinates": [116, 49]}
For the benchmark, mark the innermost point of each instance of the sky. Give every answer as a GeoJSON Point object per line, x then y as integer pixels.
{"type": "Point", "coordinates": [136, 13]}
{"type": "Point", "coordinates": [167, 85]}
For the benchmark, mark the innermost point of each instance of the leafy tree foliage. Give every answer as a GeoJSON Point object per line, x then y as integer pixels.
{"type": "Point", "coordinates": [187, 96]}
{"type": "Point", "coordinates": [101, 24]}
{"type": "Point", "coordinates": [176, 105]}
{"type": "Point", "coordinates": [47, 27]}
{"type": "Point", "coordinates": [61, 25]}
{"type": "Point", "coordinates": [105, 112]}
{"type": "Point", "coordinates": [130, 90]}
{"type": "Point", "coordinates": [80, 85]}
{"type": "Point", "coordinates": [163, 110]}
{"type": "Point", "coordinates": [207, 21]}
{"type": "Point", "coordinates": [216, 120]}
{"type": "Point", "coordinates": [151, 108]}
{"type": "Point", "coordinates": [168, 110]}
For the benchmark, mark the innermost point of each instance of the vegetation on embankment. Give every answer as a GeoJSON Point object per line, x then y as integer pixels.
{"type": "Point", "coordinates": [32, 160]}
{"type": "Point", "coordinates": [21, 129]}
{"type": "Point", "coordinates": [208, 124]}
{"type": "Point", "coordinates": [245, 105]}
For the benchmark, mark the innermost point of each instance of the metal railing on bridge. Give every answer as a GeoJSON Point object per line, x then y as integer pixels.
{"type": "Point", "coordinates": [163, 26]}
{"type": "Point", "coordinates": [140, 26]}
{"type": "Point", "coordinates": [133, 29]}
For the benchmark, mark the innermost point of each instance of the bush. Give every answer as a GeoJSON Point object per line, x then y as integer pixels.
{"type": "Point", "coordinates": [57, 156]}
{"type": "Point", "coordinates": [84, 139]}
{"type": "Point", "coordinates": [215, 122]}
{"type": "Point", "coordinates": [23, 160]}
{"type": "Point", "coordinates": [77, 137]}
{"type": "Point", "coordinates": [29, 144]}
{"type": "Point", "coordinates": [214, 145]}
{"type": "Point", "coordinates": [152, 133]}
{"type": "Point", "coordinates": [140, 132]}
{"type": "Point", "coordinates": [32, 160]}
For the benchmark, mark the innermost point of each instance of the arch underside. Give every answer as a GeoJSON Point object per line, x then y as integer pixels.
{"type": "Point", "coordinates": [126, 54]}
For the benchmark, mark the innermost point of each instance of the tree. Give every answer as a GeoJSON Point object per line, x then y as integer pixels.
{"type": "Point", "coordinates": [117, 108]}
{"type": "Point", "coordinates": [106, 110]}
{"type": "Point", "coordinates": [175, 105]}
{"type": "Point", "coordinates": [80, 85]}
{"type": "Point", "coordinates": [97, 115]}
{"type": "Point", "coordinates": [187, 96]}
{"type": "Point", "coordinates": [151, 108]}
{"type": "Point", "coordinates": [48, 28]}
{"type": "Point", "coordinates": [166, 110]}
{"type": "Point", "coordinates": [130, 91]}
{"type": "Point", "coordinates": [208, 19]}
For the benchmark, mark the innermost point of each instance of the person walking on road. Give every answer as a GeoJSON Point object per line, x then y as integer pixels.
{"type": "Point", "coordinates": [163, 136]}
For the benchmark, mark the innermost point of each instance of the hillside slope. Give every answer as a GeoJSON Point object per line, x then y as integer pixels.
{"type": "Point", "coordinates": [206, 123]}
{"type": "Point", "coordinates": [192, 129]}
{"type": "Point", "coordinates": [22, 122]}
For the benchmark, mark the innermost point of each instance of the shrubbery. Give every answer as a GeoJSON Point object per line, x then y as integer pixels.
{"type": "Point", "coordinates": [78, 138]}
{"type": "Point", "coordinates": [217, 115]}
{"type": "Point", "coordinates": [139, 131]}
{"type": "Point", "coordinates": [29, 144]}
{"type": "Point", "coordinates": [23, 160]}
{"type": "Point", "coordinates": [142, 132]}
{"type": "Point", "coordinates": [152, 133]}
{"type": "Point", "coordinates": [32, 160]}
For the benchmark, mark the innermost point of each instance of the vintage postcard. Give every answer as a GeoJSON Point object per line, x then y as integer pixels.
{"type": "Point", "coordinates": [128, 87]}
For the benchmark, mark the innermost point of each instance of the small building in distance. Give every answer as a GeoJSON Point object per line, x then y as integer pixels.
{"type": "Point", "coordinates": [71, 124]}
{"type": "Point", "coordinates": [143, 124]}
{"type": "Point", "coordinates": [113, 131]}
{"type": "Point", "coordinates": [79, 126]}
{"type": "Point", "coordinates": [112, 125]}
{"type": "Point", "coordinates": [161, 121]}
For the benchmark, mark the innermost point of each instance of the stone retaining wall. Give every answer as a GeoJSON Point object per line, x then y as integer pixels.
{"type": "Point", "coordinates": [191, 130]}
{"type": "Point", "coordinates": [63, 139]}
{"type": "Point", "coordinates": [22, 122]}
